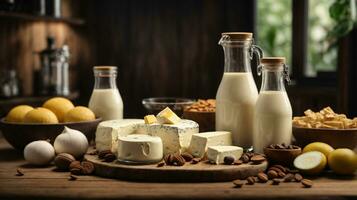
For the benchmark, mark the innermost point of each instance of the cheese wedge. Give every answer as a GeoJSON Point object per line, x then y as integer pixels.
{"type": "Point", "coordinates": [106, 136]}
{"type": "Point", "coordinates": [201, 141]}
{"type": "Point", "coordinates": [175, 137]}
{"type": "Point", "coordinates": [216, 154]}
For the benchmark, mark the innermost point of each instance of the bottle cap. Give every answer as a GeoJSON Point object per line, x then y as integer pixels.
{"type": "Point", "coordinates": [104, 68]}
{"type": "Point", "coordinates": [272, 60]}
{"type": "Point", "coordinates": [105, 71]}
{"type": "Point", "coordinates": [238, 35]}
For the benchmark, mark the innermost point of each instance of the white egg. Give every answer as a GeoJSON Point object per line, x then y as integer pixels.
{"type": "Point", "coordinates": [39, 152]}
{"type": "Point", "coordinates": [71, 141]}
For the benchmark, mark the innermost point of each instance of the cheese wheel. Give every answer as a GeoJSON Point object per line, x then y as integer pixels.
{"type": "Point", "coordinates": [138, 148]}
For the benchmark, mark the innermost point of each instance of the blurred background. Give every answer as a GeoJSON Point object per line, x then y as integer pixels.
{"type": "Point", "coordinates": [169, 48]}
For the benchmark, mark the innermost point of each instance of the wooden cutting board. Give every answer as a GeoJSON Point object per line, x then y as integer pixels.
{"type": "Point", "coordinates": [200, 172]}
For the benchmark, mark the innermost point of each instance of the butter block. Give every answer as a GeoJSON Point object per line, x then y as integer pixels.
{"type": "Point", "coordinates": [216, 154]}
{"type": "Point", "coordinates": [107, 133]}
{"type": "Point", "coordinates": [175, 137]}
{"type": "Point", "coordinates": [150, 119]}
{"type": "Point", "coordinates": [167, 116]}
{"type": "Point", "coordinates": [140, 148]}
{"type": "Point", "coordinates": [201, 141]}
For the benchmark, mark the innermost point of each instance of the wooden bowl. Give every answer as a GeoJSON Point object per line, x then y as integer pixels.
{"type": "Point", "coordinates": [20, 134]}
{"type": "Point", "coordinates": [337, 138]}
{"type": "Point", "coordinates": [206, 120]}
{"type": "Point", "coordinates": [283, 157]}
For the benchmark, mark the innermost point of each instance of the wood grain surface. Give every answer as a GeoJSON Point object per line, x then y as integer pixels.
{"type": "Point", "coordinates": [45, 183]}
{"type": "Point", "coordinates": [200, 172]}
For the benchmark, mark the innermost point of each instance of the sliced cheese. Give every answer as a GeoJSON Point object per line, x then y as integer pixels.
{"type": "Point", "coordinates": [106, 136]}
{"type": "Point", "coordinates": [216, 154]}
{"type": "Point", "coordinates": [140, 148]}
{"type": "Point", "coordinates": [200, 141]}
{"type": "Point", "coordinates": [167, 116]}
{"type": "Point", "coordinates": [150, 119]}
{"type": "Point", "coordinates": [175, 137]}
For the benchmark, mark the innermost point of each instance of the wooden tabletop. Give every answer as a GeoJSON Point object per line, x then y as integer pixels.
{"type": "Point", "coordinates": [46, 183]}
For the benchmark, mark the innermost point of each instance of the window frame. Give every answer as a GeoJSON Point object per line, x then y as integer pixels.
{"type": "Point", "coordinates": [300, 23]}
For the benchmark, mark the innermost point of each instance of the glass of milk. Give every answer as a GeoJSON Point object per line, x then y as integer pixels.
{"type": "Point", "coordinates": [273, 113]}
{"type": "Point", "coordinates": [106, 101]}
{"type": "Point", "coordinates": [237, 93]}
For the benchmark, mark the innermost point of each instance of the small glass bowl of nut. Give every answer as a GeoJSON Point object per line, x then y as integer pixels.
{"type": "Point", "coordinates": [326, 126]}
{"type": "Point", "coordinates": [155, 104]}
{"type": "Point", "coordinates": [203, 112]}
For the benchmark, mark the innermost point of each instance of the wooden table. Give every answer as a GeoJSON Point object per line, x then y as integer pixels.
{"type": "Point", "coordinates": [45, 183]}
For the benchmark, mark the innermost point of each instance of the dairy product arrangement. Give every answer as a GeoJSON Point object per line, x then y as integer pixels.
{"type": "Point", "coordinates": [250, 132]}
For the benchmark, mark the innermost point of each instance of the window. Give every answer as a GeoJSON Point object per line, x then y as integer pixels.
{"type": "Point", "coordinates": [275, 28]}
{"type": "Point", "coordinates": [274, 24]}
{"type": "Point", "coordinates": [321, 56]}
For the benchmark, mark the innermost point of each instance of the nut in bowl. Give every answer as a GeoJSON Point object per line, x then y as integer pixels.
{"type": "Point", "coordinates": [282, 154]}
{"type": "Point", "coordinates": [325, 126]}
{"type": "Point", "coordinates": [203, 112]}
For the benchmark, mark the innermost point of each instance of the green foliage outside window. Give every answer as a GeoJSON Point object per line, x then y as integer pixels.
{"type": "Point", "coordinates": [274, 26]}
{"type": "Point", "coordinates": [328, 20]}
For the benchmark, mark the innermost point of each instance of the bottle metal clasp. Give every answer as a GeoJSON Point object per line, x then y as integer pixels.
{"type": "Point", "coordinates": [286, 73]}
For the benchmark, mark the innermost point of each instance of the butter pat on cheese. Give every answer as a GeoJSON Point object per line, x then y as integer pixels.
{"type": "Point", "coordinates": [216, 154]}
{"type": "Point", "coordinates": [201, 141]}
{"type": "Point", "coordinates": [167, 116]}
{"type": "Point", "coordinates": [150, 119]}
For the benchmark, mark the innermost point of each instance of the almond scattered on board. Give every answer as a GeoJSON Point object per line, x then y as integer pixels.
{"type": "Point", "coordinates": [307, 183]}
{"type": "Point", "coordinates": [19, 172]}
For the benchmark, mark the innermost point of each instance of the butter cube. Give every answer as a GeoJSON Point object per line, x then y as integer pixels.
{"type": "Point", "coordinates": [150, 119]}
{"type": "Point", "coordinates": [167, 116]}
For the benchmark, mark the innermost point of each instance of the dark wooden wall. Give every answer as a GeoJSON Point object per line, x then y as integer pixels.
{"type": "Point", "coordinates": [21, 38]}
{"type": "Point", "coordinates": [162, 48]}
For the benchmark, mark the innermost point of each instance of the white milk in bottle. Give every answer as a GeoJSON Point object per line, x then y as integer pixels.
{"type": "Point", "coordinates": [273, 113]}
{"type": "Point", "coordinates": [237, 93]}
{"type": "Point", "coordinates": [106, 101]}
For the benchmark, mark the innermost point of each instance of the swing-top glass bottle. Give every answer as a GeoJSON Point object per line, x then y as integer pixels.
{"type": "Point", "coordinates": [237, 92]}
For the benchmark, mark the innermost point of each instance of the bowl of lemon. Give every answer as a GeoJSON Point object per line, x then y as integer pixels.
{"type": "Point", "coordinates": [24, 124]}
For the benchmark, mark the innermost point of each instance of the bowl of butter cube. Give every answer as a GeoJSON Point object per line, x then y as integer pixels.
{"type": "Point", "coordinates": [326, 126]}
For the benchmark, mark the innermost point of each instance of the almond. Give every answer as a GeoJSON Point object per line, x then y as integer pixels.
{"type": "Point", "coordinates": [307, 183]}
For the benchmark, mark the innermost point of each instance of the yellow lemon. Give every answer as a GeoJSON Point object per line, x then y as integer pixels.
{"type": "Point", "coordinates": [343, 161]}
{"type": "Point", "coordinates": [17, 114]}
{"type": "Point", "coordinates": [41, 115]}
{"type": "Point", "coordinates": [311, 163]}
{"type": "Point", "coordinates": [60, 106]}
{"type": "Point", "coordinates": [78, 114]}
{"type": "Point", "coordinates": [318, 146]}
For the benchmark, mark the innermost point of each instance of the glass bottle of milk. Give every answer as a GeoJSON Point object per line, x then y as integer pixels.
{"type": "Point", "coordinates": [273, 113]}
{"type": "Point", "coordinates": [237, 93]}
{"type": "Point", "coordinates": [106, 101]}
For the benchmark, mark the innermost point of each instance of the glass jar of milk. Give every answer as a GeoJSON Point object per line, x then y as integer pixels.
{"type": "Point", "coordinates": [237, 93]}
{"type": "Point", "coordinates": [106, 101]}
{"type": "Point", "coordinates": [273, 114]}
